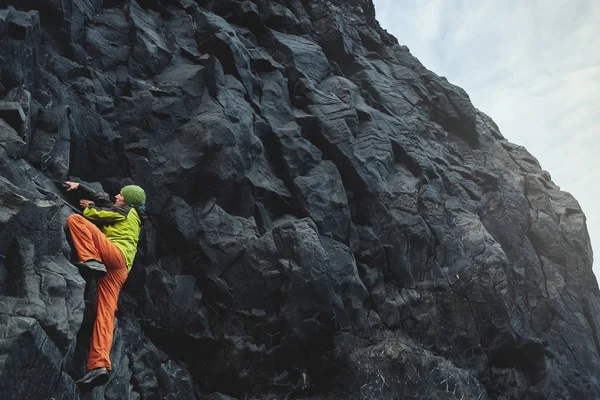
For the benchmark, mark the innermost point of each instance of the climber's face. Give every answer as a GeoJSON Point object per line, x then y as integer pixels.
{"type": "Point", "coordinates": [119, 200]}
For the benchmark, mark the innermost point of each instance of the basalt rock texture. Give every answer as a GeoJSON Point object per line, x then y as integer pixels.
{"type": "Point", "coordinates": [328, 218]}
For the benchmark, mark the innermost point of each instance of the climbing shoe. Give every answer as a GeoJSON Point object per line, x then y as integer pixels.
{"type": "Point", "coordinates": [91, 268]}
{"type": "Point", "coordinates": [93, 378]}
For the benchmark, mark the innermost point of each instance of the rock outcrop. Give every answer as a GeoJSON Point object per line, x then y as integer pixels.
{"type": "Point", "coordinates": [328, 218]}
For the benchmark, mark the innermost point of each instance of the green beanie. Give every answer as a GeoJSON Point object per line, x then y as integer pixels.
{"type": "Point", "coordinates": [134, 195]}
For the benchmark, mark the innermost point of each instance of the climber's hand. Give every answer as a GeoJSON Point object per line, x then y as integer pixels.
{"type": "Point", "coordinates": [85, 203]}
{"type": "Point", "coordinates": [72, 185]}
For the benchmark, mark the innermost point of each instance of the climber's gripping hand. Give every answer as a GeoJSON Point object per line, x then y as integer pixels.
{"type": "Point", "coordinates": [84, 203]}
{"type": "Point", "coordinates": [71, 185]}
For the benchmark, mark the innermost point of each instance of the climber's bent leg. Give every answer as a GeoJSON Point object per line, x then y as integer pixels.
{"type": "Point", "coordinates": [83, 233]}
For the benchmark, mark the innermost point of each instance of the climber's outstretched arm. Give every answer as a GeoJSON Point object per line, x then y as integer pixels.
{"type": "Point", "coordinates": [89, 194]}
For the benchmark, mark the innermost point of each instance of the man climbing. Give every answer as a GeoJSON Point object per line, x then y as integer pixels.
{"type": "Point", "coordinates": [106, 253]}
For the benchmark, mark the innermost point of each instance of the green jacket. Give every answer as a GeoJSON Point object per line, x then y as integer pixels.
{"type": "Point", "coordinates": [121, 225]}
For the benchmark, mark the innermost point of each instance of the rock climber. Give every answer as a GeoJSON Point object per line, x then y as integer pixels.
{"type": "Point", "coordinates": [105, 237]}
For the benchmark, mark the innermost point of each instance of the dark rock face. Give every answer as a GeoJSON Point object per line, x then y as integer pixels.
{"type": "Point", "coordinates": [328, 218]}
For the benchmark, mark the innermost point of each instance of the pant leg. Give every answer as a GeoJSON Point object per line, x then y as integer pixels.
{"type": "Point", "coordinates": [107, 295]}
{"type": "Point", "coordinates": [92, 244]}
{"type": "Point", "coordinates": [83, 233]}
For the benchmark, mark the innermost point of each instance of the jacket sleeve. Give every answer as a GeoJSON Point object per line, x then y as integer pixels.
{"type": "Point", "coordinates": [90, 194]}
{"type": "Point", "coordinates": [103, 215]}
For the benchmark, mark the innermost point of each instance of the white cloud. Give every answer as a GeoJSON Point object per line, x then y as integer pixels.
{"type": "Point", "coordinates": [533, 66]}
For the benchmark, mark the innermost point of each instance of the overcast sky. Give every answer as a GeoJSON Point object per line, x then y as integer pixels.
{"type": "Point", "coordinates": [533, 66]}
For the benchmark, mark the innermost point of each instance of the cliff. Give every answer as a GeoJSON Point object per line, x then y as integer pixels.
{"type": "Point", "coordinates": [328, 218]}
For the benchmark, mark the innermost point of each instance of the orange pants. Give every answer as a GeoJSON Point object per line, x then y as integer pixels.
{"type": "Point", "coordinates": [92, 244]}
